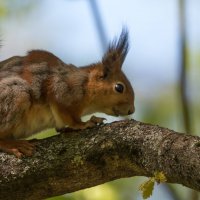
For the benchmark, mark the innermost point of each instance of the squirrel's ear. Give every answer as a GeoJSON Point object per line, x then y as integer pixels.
{"type": "Point", "coordinates": [117, 51]}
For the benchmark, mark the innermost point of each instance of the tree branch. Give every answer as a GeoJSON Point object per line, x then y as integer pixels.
{"type": "Point", "coordinates": [76, 160]}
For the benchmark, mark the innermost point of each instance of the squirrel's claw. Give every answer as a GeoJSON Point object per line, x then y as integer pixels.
{"type": "Point", "coordinates": [83, 125]}
{"type": "Point", "coordinates": [17, 147]}
{"type": "Point", "coordinates": [97, 120]}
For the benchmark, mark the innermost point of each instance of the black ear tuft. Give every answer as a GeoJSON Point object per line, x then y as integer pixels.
{"type": "Point", "coordinates": [117, 49]}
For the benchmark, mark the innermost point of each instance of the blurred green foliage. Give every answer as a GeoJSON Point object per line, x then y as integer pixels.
{"type": "Point", "coordinates": [16, 7]}
{"type": "Point", "coordinates": [116, 190]}
{"type": "Point", "coordinates": [3, 10]}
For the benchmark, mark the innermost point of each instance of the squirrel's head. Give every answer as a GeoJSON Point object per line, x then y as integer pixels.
{"type": "Point", "coordinates": [111, 91]}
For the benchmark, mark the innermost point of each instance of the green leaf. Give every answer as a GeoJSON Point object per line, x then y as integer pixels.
{"type": "Point", "coordinates": [147, 188]}
{"type": "Point", "coordinates": [160, 177]}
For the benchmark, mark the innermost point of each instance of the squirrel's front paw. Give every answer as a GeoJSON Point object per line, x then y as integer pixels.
{"type": "Point", "coordinates": [97, 120]}
{"type": "Point", "coordinates": [82, 125]}
{"type": "Point", "coordinates": [93, 122]}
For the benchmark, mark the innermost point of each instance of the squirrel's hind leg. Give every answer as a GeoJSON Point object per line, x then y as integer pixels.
{"type": "Point", "coordinates": [17, 147]}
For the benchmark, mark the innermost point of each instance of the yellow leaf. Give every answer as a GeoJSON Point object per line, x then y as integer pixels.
{"type": "Point", "coordinates": [147, 188]}
{"type": "Point", "coordinates": [160, 177]}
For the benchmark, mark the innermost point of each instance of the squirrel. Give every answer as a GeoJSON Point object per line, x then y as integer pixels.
{"type": "Point", "coordinates": [39, 91]}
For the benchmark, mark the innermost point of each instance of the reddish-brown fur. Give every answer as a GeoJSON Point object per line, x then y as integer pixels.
{"type": "Point", "coordinates": [39, 91]}
{"type": "Point", "coordinates": [40, 56]}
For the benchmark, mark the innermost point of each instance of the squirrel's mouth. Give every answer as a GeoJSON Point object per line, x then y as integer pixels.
{"type": "Point", "coordinates": [116, 112]}
{"type": "Point", "coordinates": [122, 111]}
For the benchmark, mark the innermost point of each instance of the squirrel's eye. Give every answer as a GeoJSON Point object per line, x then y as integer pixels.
{"type": "Point", "coordinates": [119, 87]}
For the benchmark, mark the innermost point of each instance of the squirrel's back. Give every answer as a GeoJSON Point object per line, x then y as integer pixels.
{"type": "Point", "coordinates": [39, 91]}
{"type": "Point", "coordinates": [42, 69]}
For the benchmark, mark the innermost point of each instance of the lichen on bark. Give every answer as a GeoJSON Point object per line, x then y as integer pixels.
{"type": "Point", "coordinates": [75, 160]}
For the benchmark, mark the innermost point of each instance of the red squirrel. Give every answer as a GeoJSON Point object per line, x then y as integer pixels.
{"type": "Point", "coordinates": [39, 91]}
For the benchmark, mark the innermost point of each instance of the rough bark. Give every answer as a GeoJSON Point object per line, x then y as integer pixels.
{"type": "Point", "coordinates": [72, 161]}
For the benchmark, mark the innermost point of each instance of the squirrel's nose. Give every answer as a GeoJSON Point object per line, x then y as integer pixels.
{"type": "Point", "coordinates": [131, 111]}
